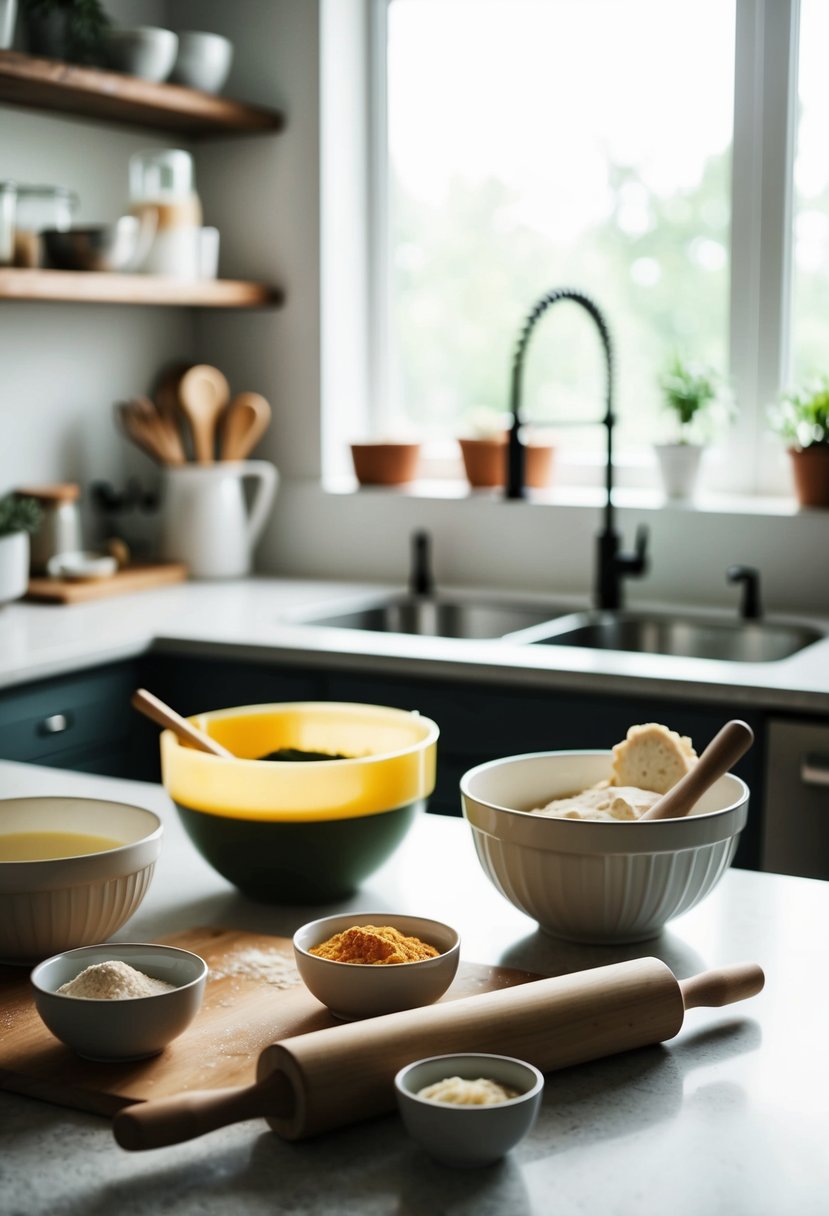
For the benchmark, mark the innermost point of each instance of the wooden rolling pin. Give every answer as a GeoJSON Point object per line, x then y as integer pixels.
{"type": "Point", "coordinates": [330, 1078]}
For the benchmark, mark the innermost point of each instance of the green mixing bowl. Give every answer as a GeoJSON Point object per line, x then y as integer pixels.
{"type": "Point", "coordinates": [284, 831]}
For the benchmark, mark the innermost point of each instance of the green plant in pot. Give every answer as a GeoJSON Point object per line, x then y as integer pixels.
{"type": "Point", "coordinates": [698, 403]}
{"type": "Point", "coordinates": [18, 518]}
{"type": "Point", "coordinates": [66, 29]}
{"type": "Point", "coordinates": [801, 419]}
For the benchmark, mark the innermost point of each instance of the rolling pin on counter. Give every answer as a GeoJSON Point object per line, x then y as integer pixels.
{"type": "Point", "coordinates": [341, 1075]}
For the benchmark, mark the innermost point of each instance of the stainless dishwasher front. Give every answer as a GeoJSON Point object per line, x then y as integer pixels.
{"type": "Point", "coordinates": [795, 836]}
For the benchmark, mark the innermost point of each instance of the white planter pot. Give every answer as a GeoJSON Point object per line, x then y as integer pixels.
{"type": "Point", "coordinates": [14, 566]}
{"type": "Point", "coordinates": [679, 466]}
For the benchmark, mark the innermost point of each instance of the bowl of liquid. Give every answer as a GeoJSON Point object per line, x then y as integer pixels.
{"type": "Point", "coordinates": [72, 872]}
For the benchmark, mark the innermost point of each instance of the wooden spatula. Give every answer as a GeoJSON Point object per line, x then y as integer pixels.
{"type": "Point", "coordinates": [152, 707]}
{"type": "Point", "coordinates": [724, 750]}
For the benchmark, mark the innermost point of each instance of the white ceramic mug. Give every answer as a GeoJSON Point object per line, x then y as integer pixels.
{"type": "Point", "coordinates": [206, 520]}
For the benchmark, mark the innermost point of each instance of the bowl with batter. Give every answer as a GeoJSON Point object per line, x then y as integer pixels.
{"type": "Point", "coordinates": [560, 835]}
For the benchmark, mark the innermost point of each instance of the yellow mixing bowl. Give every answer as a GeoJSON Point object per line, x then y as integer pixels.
{"type": "Point", "coordinates": [291, 831]}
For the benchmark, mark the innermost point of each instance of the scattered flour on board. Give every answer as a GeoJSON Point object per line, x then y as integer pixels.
{"type": "Point", "coordinates": [271, 966]}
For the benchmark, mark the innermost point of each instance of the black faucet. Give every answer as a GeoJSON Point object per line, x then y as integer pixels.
{"type": "Point", "coordinates": [421, 579]}
{"type": "Point", "coordinates": [749, 576]}
{"type": "Point", "coordinates": [612, 564]}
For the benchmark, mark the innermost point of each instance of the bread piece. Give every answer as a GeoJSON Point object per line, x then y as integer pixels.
{"type": "Point", "coordinates": [652, 757]}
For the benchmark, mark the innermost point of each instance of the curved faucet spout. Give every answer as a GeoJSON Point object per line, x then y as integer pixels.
{"type": "Point", "coordinates": [612, 563]}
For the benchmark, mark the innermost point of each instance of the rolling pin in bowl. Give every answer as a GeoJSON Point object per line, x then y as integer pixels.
{"type": "Point", "coordinates": [330, 1078]}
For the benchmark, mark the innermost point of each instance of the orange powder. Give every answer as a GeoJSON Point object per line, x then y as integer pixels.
{"type": "Point", "coordinates": [373, 944]}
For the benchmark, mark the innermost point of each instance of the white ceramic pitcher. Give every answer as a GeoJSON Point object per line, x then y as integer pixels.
{"type": "Point", "coordinates": [206, 520]}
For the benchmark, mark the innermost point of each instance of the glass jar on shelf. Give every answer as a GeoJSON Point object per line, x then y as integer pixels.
{"type": "Point", "coordinates": [8, 204]}
{"type": "Point", "coordinates": [163, 193]}
{"type": "Point", "coordinates": [37, 208]}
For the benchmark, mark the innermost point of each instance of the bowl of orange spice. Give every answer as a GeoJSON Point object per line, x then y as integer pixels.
{"type": "Point", "coordinates": [361, 964]}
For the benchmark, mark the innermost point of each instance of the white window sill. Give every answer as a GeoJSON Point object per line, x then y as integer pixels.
{"type": "Point", "coordinates": [591, 497]}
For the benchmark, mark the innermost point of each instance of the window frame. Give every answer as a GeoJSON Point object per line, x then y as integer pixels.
{"type": "Point", "coordinates": [751, 461]}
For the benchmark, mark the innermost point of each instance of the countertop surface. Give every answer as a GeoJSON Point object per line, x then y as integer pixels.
{"type": "Point", "coordinates": [259, 619]}
{"type": "Point", "coordinates": [729, 1117]}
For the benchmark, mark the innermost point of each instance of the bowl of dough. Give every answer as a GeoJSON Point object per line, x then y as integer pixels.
{"type": "Point", "coordinates": [72, 871]}
{"type": "Point", "coordinates": [315, 796]}
{"type": "Point", "coordinates": [560, 835]}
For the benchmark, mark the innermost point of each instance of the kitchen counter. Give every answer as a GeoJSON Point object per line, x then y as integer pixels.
{"type": "Point", "coordinates": [731, 1116]}
{"type": "Point", "coordinates": [256, 619]}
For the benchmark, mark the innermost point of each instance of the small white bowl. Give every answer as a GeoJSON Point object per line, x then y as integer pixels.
{"type": "Point", "coordinates": [595, 882]}
{"type": "Point", "coordinates": [63, 902]}
{"type": "Point", "coordinates": [129, 1029]}
{"type": "Point", "coordinates": [81, 567]}
{"type": "Point", "coordinates": [363, 990]}
{"type": "Point", "coordinates": [203, 60]}
{"type": "Point", "coordinates": [145, 51]}
{"type": "Point", "coordinates": [462, 1135]}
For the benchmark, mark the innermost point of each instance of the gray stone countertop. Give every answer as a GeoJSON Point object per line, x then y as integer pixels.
{"type": "Point", "coordinates": [729, 1117]}
{"type": "Point", "coordinates": [259, 619]}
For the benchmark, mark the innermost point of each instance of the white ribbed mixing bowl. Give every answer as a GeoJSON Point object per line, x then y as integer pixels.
{"type": "Point", "coordinates": [58, 904]}
{"type": "Point", "coordinates": [596, 882]}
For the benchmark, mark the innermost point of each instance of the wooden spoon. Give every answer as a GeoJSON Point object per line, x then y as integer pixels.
{"type": "Point", "coordinates": [203, 393]}
{"type": "Point", "coordinates": [151, 707]}
{"type": "Point", "coordinates": [243, 425]}
{"type": "Point", "coordinates": [136, 427]}
{"type": "Point", "coordinates": [724, 750]}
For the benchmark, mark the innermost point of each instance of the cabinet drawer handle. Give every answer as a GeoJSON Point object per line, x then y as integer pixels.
{"type": "Point", "coordinates": [55, 724]}
{"type": "Point", "coordinates": [814, 769]}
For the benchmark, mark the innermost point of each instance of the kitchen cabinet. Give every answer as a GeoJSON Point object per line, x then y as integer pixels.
{"type": "Point", "coordinates": [83, 722]}
{"type": "Point", "coordinates": [796, 819]}
{"type": "Point", "coordinates": [478, 722]}
{"type": "Point", "coordinates": [61, 88]}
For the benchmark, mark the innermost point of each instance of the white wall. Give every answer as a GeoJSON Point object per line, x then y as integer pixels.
{"type": "Point", "coordinates": [63, 366]}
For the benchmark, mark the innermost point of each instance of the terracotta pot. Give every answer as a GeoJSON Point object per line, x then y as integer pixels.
{"type": "Point", "coordinates": [485, 462]}
{"type": "Point", "coordinates": [385, 463]}
{"type": "Point", "coordinates": [811, 474]}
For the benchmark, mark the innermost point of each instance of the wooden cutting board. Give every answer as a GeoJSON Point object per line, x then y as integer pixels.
{"type": "Point", "coordinates": [253, 997]}
{"type": "Point", "coordinates": [132, 578]}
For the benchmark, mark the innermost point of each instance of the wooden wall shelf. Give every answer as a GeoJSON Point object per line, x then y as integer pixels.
{"type": "Point", "coordinates": [50, 84]}
{"type": "Point", "coordinates": [88, 287]}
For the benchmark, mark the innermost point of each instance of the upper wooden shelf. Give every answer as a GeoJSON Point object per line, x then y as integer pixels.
{"type": "Point", "coordinates": [50, 84]}
{"type": "Point", "coordinates": [89, 287]}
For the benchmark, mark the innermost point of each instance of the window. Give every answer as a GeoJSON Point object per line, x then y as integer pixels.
{"type": "Point", "coordinates": [810, 253]}
{"type": "Point", "coordinates": [615, 146]}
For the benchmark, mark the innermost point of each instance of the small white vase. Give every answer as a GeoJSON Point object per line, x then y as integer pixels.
{"type": "Point", "coordinates": [679, 466]}
{"type": "Point", "coordinates": [14, 566]}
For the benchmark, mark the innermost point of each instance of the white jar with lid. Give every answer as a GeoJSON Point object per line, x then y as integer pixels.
{"type": "Point", "coordinates": [162, 191]}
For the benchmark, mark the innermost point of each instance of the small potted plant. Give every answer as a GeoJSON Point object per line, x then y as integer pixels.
{"type": "Point", "coordinates": [385, 462]}
{"type": "Point", "coordinates": [66, 29]}
{"type": "Point", "coordinates": [18, 518]}
{"type": "Point", "coordinates": [484, 453]}
{"type": "Point", "coordinates": [801, 419]}
{"type": "Point", "coordinates": [697, 400]}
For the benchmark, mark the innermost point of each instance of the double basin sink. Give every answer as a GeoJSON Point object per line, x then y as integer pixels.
{"type": "Point", "coordinates": [681, 635]}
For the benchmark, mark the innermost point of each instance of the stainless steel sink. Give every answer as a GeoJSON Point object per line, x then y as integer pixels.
{"type": "Point", "coordinates": [439, 616]}
{"type": "Point", "coordinates": [736, 641]}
